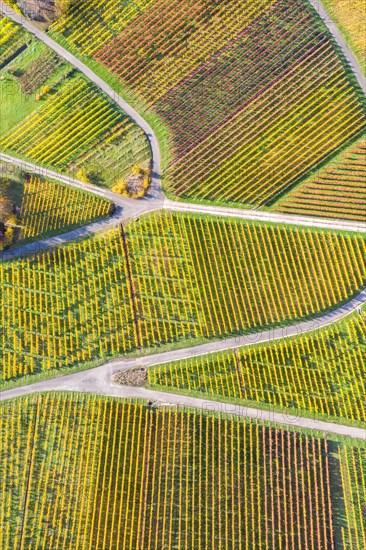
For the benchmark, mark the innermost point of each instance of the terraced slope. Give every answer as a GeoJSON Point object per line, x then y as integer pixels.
{"type": "Point", "coordinates": [252, 101]}
{"type": "Point", "coordinates": [338, 190]}
{"type": "Point", "coordinates": [90, 472]}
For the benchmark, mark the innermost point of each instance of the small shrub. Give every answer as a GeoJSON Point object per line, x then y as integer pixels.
{"type": "Point", "coordinates": [82, 175]}
{"type": "Point", "coordinates": [135, 185]}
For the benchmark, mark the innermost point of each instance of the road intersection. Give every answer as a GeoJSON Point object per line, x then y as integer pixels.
{"type": "Point", "coordinates": [99, 379]}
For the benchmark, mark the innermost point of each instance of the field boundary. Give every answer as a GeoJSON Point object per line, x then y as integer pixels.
{"type": "Point", "coordinates": [161, 398]}
{"type": "Point", "coordinates": [351, 59]}
{"type": "Point", "coordinates": [99, 379]}
{"type": "Point", "coordinates": [155, 192]}
{"type": "Point", "coordinates": [129, 208]}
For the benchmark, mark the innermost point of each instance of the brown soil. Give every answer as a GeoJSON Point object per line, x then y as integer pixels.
{"type": "Point", "coordinates": [43, 11]}
{"type": "Point", "coordinates": [133, 377]}
{"type": "Point", "coordinates": [135, 184]}
{"type": "Point", "coordinates": [6, 210]}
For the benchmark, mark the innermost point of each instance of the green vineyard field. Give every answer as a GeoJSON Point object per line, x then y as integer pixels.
{"type": "Point", "coordinates": [317, 373]}
{"type": "Point", "coordinates": [100, 473]}
{"type": "Point", "coordinates": [338, 190]}
{"type": "Point", "coordinates": [251, 103]}
{"type": "Point", "coordinates": [51, 115]}
{"type": "Point", "coordinates": [165, 279]}
{"type": "Point", "coordinates": [12, 40]}
{"type": "Point", "coordinates": [182, 364]}
{"type": "Point", "coordinates": [36, 207]}
{"type": "Point", "coordinates": [49, 207]}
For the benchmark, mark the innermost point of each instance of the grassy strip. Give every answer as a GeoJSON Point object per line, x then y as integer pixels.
{"type": "Point", "coordinates": [18, 106]}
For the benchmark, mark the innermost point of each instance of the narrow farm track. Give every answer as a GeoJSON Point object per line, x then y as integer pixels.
{"type": "Point", "coordinates": [155, 187]}
{"type": "Point", "coordinates": [337, 35]}
{"type": "Point", "coordinates": [129, 208]}
{"type": "Point", "coordinates": [272, 217]}
{"type": "Point", "coordinates": [99, 379]}
{"type": "Point", "coordinates": [125, 209]}
{"type": "Point", "coordinates": [99, 382]}
{"type": "Point", "coordinates": [155, 194]}
{"type": "Point", "coordinates": [119, 200]}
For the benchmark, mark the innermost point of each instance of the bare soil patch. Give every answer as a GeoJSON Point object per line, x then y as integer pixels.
{"type": "Point", "coordinates": [132, 377]}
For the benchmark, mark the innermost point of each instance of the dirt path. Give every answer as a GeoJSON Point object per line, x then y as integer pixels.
{"type": "Point", "coordinates": [338, 37]}
{"type": "Point", "coordinates": [99, 380]}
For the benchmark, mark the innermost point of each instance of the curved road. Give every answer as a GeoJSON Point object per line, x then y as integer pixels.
{"type": "Point", "coordinates": [100, 383]}
{"type": "Point", "coordinates": [99, 379]}
{"type": "Point", "coordinates": [155, 187]}
{"type": "Point", "coordinates": [71, 180]}
{"type": "Point", "coordinates": [129, 208]}
{"type": "Point", "coordinates": [154, 199]}
{"type": "Point", "coordinates": [337, 35]}
{"type": "Point", "coordinates": [155, 192]}
{"type": "Point", "coordinates": [126, 209]}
